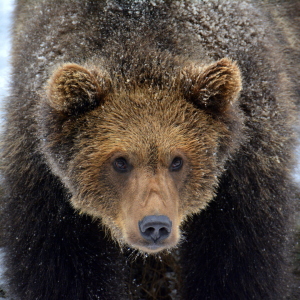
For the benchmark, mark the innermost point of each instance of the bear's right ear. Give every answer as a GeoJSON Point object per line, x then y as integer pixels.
{"type": "Point", "coordinates": [73, 90]}
{"type": "Point", "coordinates": [213, 88]}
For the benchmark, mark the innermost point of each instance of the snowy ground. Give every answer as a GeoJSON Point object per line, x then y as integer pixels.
{"type": "Point", "coordinates": [6, 7]}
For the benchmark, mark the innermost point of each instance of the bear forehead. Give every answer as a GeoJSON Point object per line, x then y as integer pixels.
{"type": "Point", "coordinates": [158, 110]}
{"type": "Point", "coordinates": [147, 126]}
{"type": "Point", "coordinates": [149, 118]}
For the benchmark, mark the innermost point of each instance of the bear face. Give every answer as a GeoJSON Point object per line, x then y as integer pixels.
{"type": "Point", "coordinates": [141, 159]}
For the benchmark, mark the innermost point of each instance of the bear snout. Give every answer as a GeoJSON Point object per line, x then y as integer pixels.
{"type": "Point", "coordinates": [155, 229]}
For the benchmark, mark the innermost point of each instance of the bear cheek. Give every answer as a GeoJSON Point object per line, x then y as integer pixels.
{"type": "Point", "coordinates": [92, 192]}
{"type": "Point", "coordinates": [149, 218]}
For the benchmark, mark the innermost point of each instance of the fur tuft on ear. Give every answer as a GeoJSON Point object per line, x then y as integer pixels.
{"type": "Point", "coordinates": [73, 90]}
{"type": "Point", "coordinates": [215, 87]}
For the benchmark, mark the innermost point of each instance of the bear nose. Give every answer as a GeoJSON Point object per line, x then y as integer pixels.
{"type": "Point", "coordinates": [155, 228]}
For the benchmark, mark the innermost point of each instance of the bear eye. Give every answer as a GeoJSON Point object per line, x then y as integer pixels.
{"type": "Point", "coordinates": [121, 165]}
{"type": "Point", "coordinates": [176, 164]}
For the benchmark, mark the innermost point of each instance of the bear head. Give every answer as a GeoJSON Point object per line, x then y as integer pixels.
{"type": "Point", "coordinates": [141, 158]}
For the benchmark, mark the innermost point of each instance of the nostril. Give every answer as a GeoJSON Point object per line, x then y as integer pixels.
{"type": "Point", "coordinates": [164, 232]}
{"type": "Point", "coordinates": [155, 228]}
{"type": "Point", "coordinates": [150, 231]}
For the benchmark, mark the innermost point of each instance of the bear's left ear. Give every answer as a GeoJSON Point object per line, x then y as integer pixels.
{"type": "Point", "coordinates": [73, 90]}
{"type": "Point", "coordinates": [213, 88]}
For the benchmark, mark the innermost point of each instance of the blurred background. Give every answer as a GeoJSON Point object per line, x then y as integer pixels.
{"type": "Point", "coordinates": [6, 9]}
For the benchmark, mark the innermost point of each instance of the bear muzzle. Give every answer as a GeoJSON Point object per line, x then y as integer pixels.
{"type": "Point", "coordinates": [155, 229]}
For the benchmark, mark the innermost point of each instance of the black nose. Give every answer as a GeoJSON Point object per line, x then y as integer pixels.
{"type": "Point", "coordinates": [155, 228]}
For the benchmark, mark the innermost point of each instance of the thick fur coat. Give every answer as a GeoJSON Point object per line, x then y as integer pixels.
{"type": "Point", "coordinates": [124, 111]}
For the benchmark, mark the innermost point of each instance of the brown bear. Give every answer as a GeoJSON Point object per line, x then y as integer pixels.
{"type": "Point", "coordinates": [148, 127]}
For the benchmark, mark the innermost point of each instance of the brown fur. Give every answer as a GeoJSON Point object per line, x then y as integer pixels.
{"type": "Point", "coordinates": [106, 97]}
{"type": "Point", "coordinates": [170, 129]}
{"type": "Point", "coordinates": [71, 85]}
